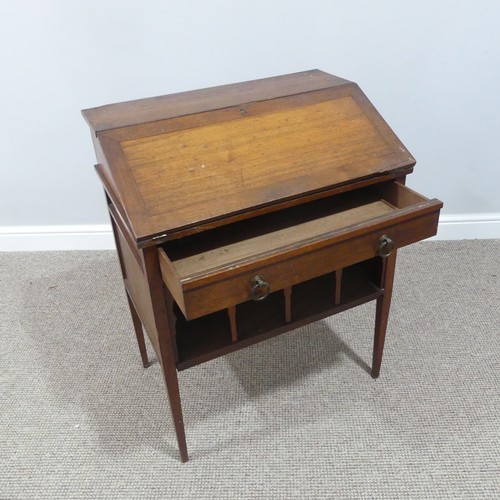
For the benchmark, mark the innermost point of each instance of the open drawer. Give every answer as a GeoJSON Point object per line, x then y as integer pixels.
{"type": "Point", "coordinates": [222, 267]}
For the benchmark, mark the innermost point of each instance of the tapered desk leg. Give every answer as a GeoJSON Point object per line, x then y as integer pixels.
{"type": "Point", "coordinates": [139, 332]}
{"type": "Point", "coordinates": [172, 385]}
{"type": "Point", "coordinates": [166, 338]}
{"type": "Point", "coordinates": [382, 314]}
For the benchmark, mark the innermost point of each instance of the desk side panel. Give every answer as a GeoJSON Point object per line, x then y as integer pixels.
{"type": "Point", "coordinates": [138, 290]}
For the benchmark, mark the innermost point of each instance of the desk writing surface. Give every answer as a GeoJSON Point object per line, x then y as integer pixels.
{"type": "Point", "coordinates": [185, 171]}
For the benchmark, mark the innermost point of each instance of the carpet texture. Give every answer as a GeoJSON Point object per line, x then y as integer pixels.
{"type": "Point", "coordinates": [297, 416]}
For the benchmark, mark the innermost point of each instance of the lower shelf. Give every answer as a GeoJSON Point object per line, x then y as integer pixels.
{"type": "Point", "coordinates": [209, 337]}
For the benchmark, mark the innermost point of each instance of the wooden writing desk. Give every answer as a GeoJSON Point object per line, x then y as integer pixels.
{"type": "Point", "coordinates": [244, 211]}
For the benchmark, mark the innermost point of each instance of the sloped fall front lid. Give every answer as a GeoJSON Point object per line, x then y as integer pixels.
{"type": "Point", "coordinates": [183, 160]}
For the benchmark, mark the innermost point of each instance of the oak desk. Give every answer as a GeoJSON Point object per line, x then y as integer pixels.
{"type": "Point", "coordinates": [244, 211]}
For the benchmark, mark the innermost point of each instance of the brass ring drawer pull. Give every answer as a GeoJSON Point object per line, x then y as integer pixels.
{"type": "Point", "coordinates": [385, 246]}
{"type": "Point", "coordinates": [259, 288]}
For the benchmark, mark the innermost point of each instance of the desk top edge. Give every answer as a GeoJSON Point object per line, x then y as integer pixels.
{"type": "Point", "coordinates": [141, 111]}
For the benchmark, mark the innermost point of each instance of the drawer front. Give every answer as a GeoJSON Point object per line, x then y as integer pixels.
{"type": "Point", "coordinates": [229, 287]}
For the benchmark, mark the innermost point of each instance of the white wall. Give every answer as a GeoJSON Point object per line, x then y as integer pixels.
{"type": "Point", "coordinates": [431, 67]}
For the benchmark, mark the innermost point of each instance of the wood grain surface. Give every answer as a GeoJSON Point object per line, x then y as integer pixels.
{"type": "Point", "coordinates": [194, 164]}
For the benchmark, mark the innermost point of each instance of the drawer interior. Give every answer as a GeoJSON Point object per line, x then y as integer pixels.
{"type": "Point", "coordinates": [224, 246]}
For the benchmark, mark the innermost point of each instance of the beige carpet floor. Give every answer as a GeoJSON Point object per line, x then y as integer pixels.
{"type": "Point", "coordinates": [297, 416]}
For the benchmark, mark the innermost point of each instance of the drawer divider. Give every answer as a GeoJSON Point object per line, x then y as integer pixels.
{"type": "Point", "coordinates": [232, 321]}
{"type": "Point", "coordinates": [338, 286]}
{"type": "Point", "coordinates": [288, 303]}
